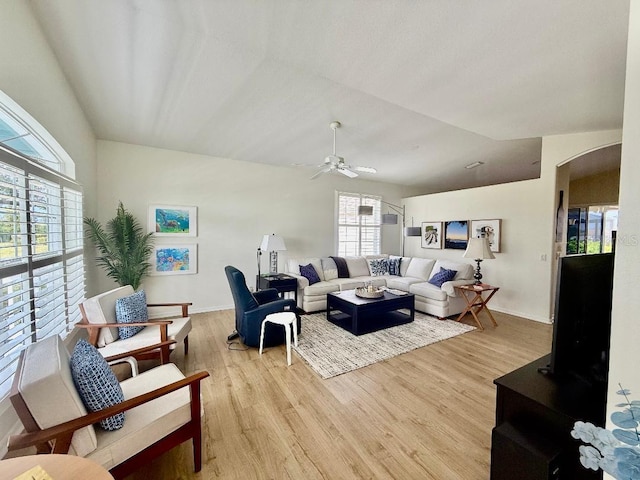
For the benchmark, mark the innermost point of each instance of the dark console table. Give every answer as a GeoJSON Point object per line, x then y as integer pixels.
{"type": "Point", "coordinates": [535, 413]}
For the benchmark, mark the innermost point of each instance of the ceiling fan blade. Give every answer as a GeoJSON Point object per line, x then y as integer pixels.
{"type": "Point", "coordinates": [320, 172]}
{"type": "Point", "coordinates": [365, 169]}
{"type": "Point", "coordinates": [347, 172]}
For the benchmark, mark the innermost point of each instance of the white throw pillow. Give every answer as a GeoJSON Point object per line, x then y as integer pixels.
{"type": "Point", "coordinates": [329, 268]}
{"type": "Point", "coordinates": [419, 268]}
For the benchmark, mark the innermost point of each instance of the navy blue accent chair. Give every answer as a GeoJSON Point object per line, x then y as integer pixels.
{"type": "Point", "coordinates": [252, 308]}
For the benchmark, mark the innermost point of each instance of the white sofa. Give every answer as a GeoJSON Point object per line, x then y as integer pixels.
{"type": "Point", "coordinates": [414, 278]}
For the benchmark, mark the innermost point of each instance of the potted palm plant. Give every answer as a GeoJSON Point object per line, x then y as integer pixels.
{"type": "Point", "coordinates": [123, 246]}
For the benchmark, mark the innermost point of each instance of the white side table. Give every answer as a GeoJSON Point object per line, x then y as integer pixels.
{"type": "Point", "coordinates": [288, 321]}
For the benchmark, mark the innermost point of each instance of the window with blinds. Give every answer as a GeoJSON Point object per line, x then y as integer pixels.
{"type": "Point", "coordinates": [42, 271]}
{"type": "Point", "coordinates": [357, 234]}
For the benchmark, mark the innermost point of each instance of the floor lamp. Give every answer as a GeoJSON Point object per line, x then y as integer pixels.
{"type": "Point", "coordinates": [392, 219]}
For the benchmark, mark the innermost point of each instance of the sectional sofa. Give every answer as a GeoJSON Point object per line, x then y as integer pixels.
{"type": "Point", "coordinates": [412, 276]}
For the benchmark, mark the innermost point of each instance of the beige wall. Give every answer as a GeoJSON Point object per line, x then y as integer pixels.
{"type": "Point", "coordinates": [525, 266]}
{"type": "Point", "coordinates": [601, 189]}
{"type": "Point", "coordinates": [238, 202]}
{"type": "Point", "coordinates": [625, 335]}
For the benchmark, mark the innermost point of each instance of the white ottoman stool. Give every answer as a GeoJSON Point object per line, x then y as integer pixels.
{"type": "Point", "coordinates": [288, 321]}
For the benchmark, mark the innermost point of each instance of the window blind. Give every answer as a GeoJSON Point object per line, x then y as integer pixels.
{"type": "Point", "coordinates": [42, 271]}
{"type": "Point", "coordinates": [357, 235]}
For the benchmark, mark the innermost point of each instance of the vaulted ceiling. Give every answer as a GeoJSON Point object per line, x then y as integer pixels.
{"type": "Point", "coordinates": [422, 88]}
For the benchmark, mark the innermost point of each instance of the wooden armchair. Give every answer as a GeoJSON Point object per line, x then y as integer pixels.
{"type": "Point", "coordinates": [162, 408]}
{"type": "Point", "coordinates": [99, 319]}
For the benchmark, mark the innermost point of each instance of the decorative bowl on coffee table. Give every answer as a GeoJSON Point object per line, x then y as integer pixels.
{"type": "Point", "coordinates": [363, 292]}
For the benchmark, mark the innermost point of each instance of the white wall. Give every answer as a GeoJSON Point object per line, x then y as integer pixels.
{"type": "Point", "coordinates": [525, 267]}
{"type": "Point", "coordinates": [625, 335]}
{"type": "Point", "coordinates": [238, 202]}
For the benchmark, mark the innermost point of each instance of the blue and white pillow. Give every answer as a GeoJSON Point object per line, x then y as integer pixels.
{"type": "Point", "coordinates": [444, 275]}
{"type": "Point", "coordinates": [308, 272]}
{"type": "Point", "coordinates": [394, 266]}
{"type": "Point", "coordinates": [378, 266]}
{"type": "Point", "coordinates": [96, 383]}
{"type": "Point", "coordinates": [131, 309]}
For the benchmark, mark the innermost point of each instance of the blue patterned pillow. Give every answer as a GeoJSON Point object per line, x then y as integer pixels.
{"type": "Point", "coordinates": [308, 272]}
{"type": "Point", "coordinates": [131, 309]}
{"type": "Point", "coordinates": [378, 266]}
{"type": "Point", "coordinates": [394, 266]}
{"type": "Point", "coordinates": [442, 276]}
{"type": "Point", "coordinates": [96, 383]}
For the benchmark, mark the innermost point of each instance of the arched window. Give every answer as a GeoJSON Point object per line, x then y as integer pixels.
{"type": "Point", "coordinates": [41, 241]}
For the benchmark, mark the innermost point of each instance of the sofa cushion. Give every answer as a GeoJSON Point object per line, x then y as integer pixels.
{"type": "Point", "coordinates": [96, 383]}
{"type": "Point", "coordinates": [420, 268]}
{"type": "Point", "coordinates": [329, 268]}
{"type": "Point", "coordinates": [101, 309]}
{"type": "Point", "coordinates": [351, 283]}
{"type": "Point", "coordinates": [394, 266]}
{"type": "Point", "coordinates": [321, 288]}
{"type": "Point", "coordinates": [341, 265]}
{"type": "Point", "coordinates": [131, 309]}
{"type": "Point", "coordinates": [465, 270]}
{"type": "Point", "coordinates": [404, 263]}
{"type": "Point", "coordinates": [357, 267]}
{"type": "Point", "coordinates": [402, 283]}
{"type": "Point", "coordinates": [378, 266]}
{"type": "Point", "coordinates": [310, 273]}
{"type": "Point", "coordinates": [427, 290]}
{"type": "Point", "coordinates": [442, 276]}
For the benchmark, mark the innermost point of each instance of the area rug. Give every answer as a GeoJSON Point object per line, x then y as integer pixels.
{"type": "Point", "coordinates": [331, 350]}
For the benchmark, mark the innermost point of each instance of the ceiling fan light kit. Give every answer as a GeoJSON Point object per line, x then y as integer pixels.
{"type": "Point", "coordinates": [335, 163]}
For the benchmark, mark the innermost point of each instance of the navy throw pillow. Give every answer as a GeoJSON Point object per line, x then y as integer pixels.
{"type": "Point", "coordinates": [442, 276]}
{"type": "Point", "coordinates": [308, 272]}
{"type": "Point", "coordinates": [394, 266]}
{"type": "Point", "coordinates": [343, 270]}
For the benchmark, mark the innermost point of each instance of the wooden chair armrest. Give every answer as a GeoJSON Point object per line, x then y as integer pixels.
{"type": "Point", "coordinates": [64, 431]}
{"type": "Point", "coordinates": [133, 353]}
{"type": "Point", "coordinates": [116, 325]}
{"type": "Point", "coordinates": [184, 305]}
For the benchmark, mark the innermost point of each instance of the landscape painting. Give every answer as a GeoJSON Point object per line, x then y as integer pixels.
{"type": "Point", "coordinates": [172, 220]}
{"type": "Point", "coordinates": [431, 234]}
{"type": "Point", "coordinates": [456, 234]}
{"type": "Point", "coordinates": [174, 260]}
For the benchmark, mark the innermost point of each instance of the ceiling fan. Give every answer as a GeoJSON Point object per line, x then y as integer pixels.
{"type": "Point", "coordinates": [335, 163]}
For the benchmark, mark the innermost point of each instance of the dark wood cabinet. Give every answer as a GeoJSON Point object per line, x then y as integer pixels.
{"type": "Point", "coordinates": [535, 413]}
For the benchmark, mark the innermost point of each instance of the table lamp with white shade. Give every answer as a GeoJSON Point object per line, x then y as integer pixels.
{"type": "Point", "coordinates": [273, 243]}
{"type": "Point", "coordinates": [478, 249]}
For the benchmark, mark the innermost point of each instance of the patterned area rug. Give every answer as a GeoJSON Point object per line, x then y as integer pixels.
{"type": "Point", "coordinates": [331, 350]}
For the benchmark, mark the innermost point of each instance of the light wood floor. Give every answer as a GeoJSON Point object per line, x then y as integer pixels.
{"type": "Point", "coordinates": [426, 414]}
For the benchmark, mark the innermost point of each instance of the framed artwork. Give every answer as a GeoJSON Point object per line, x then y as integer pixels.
{"type": "Point", "coordinates": [456, 234]}
{"type": "Point", "coordinates": [489, 229]}
{"type": "Point", "coordinates": [174, 221]}
{"type": "Point", "coordinates": [431, 235]}
{"type": "Point", "coordinates": [174, 259]}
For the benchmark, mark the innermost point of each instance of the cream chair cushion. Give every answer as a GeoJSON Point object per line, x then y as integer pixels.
{"type": "Point", "coordinates": [46, 386]}
{"type": "Point", "coordinates": [101, 310]}
{"type": "Point", "coordinates": [147, 423]}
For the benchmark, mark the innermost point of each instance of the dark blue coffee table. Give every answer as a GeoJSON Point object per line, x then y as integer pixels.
{"type": "Point", "coordinates": [365, 315]}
